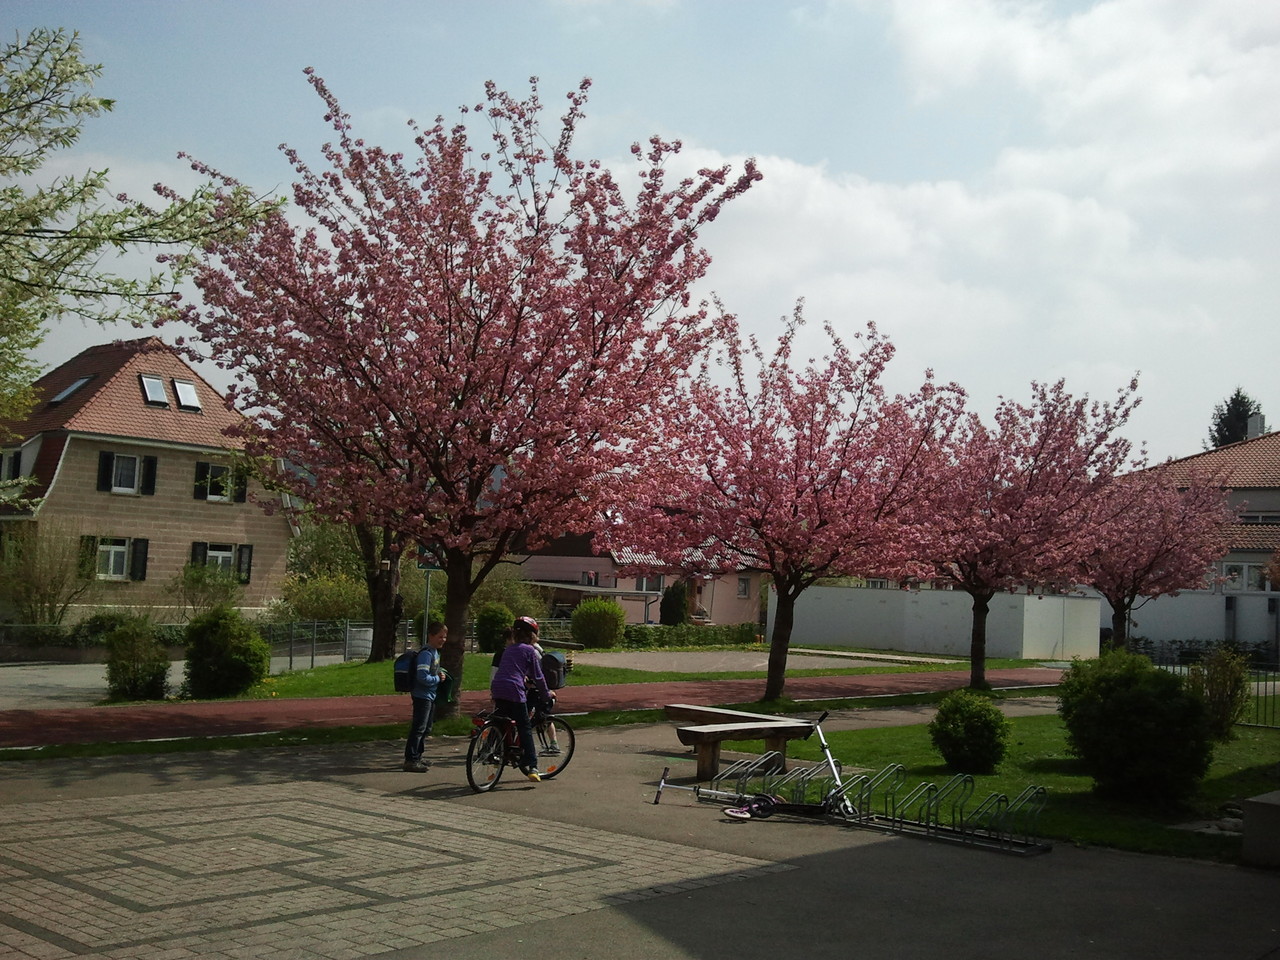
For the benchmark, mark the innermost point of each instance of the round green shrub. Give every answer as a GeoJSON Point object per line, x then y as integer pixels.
{"type": "Point", "coordinates": [492, 620]}
{"type": "Point", "coordinates": [225, 655]}
{"type": "Point", "coordinates": [598, 623]}
{"type": "Point", "coordinates": [137, 661]}
{"type": "Point", "coordinates": [970, 732]}
{"type": "Point", "coordinates": [1139, 731]}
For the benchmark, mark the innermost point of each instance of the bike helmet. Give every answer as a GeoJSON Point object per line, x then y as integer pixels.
{"type": "Point", "coordinates": [526, 625]}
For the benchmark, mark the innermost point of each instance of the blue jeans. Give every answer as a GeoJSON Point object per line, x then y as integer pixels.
{"type": "Point", "coordinates": [424, 712]}
{"type": "Point", "coordinates": [518, 711]}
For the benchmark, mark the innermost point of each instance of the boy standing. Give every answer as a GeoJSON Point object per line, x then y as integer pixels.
{"type": "Point", "coordinates": [426, 681]}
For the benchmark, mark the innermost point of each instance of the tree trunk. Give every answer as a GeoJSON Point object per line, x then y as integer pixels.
{"type": "Point", "coordinates": [978, 640]}
{"type": "Point", "coordinates": [784, 618]}
{"type": "Point", "coordinates": [381, 552]}
{"type": "Point", "coordinates": [457, 599]}
{"type": "Point", "coordinates": [1119, 627]}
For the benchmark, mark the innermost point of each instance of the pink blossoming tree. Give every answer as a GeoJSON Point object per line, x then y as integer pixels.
{"type": "Point", "coordinates": [462, 350]}
{"type": "Point", "coordinates": [1156, 532]}
{"type": "Point", "coordinates": [1013, 509]}
{"type": "Point", "coordinates": [804, 473]}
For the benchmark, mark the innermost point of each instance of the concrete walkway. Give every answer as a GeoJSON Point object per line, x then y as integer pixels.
{"type": "Point", "coordinates": [333, 852]}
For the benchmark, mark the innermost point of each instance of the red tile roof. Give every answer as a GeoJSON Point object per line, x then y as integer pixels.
{"type": "Point", "coordinates": [111, 402]}
{"type": "Point", "coordinates": [1248, 463]}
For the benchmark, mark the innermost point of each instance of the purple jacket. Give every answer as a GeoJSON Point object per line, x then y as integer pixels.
{"type": "Point", "coordinates": [519, 661]}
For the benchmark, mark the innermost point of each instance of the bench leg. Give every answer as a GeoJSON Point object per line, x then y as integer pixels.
{"type": "Point", "coordinates": [780, 745]}
{"type": "Point", "coordinates": [708, 756]}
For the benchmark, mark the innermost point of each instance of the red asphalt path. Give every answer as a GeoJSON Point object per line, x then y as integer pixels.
{"type": "Point", "coordinates": [36, 728]}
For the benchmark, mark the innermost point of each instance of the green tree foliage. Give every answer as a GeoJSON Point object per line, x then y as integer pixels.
{"type": "Point", "coordinates": [1139, 731]}
{"type": "Point", "coordinates": [335, 596]}
{"type": "Point", "coordinates": [492, 620]}
{"type": "Point", "coordinates": [674, 608]}
{"type": "Point", "coordinates": [137, 661]}
{"type": "Point", "coordinates": [225, 655]}
{"type": "Point", "coordinates": [56, 230]}
{"type": "Point", "coordinates": [970, 732]}
{"type": "Point", "coordinates": [598, 623]}
{"type": "Point", "coordinates": [1231, 419]}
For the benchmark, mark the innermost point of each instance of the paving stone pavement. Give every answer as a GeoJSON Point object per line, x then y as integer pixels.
{"type": "Point", "coordinates": [306, 870]}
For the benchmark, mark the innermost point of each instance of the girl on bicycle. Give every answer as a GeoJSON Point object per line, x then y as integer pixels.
{"type": "Point", "coordinates": [520, 665]}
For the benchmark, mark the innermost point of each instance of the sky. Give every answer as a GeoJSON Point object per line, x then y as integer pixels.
{"type": "Point", "coordinates": [1011, 191]}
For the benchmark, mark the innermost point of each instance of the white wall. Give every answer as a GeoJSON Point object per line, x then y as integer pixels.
{"type": "Point", "coordinates": [1202, 616]}
{"type": "Point", "coordinates": [939, 622]}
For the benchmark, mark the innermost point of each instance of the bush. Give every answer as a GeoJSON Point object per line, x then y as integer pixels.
{"type": "Point", "coordinates": [598, 623]}
{"type": "Point", "coordinates": [674, 608]}
{"type": "Point", "coordinates": [647, 636]}
{"type": "Point", "coordinates": [970, 732]}
{"type": "Point", "coordinates": [491, 620]}
{"type": "Point", "coordinates": [1138, 730]}
{"type": "Point", "coordinates": [1222, 680]}
{"type": "Point", "coordinates": [137, 660]}
{"type": "Point", "coordinates": [225, 655]}
{"type": "Point", "coordinates": [93, 631]}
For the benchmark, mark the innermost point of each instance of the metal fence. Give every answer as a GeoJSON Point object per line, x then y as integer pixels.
{"type": "Point", "coordinates": [1264, 683]}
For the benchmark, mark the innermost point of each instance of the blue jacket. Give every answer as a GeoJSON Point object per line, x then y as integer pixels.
{"type": "Point", "coordinates": [426, 676]}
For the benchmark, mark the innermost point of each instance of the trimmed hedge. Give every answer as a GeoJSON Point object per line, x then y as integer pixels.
{"type": "Point", "coordinates": [640, 636]}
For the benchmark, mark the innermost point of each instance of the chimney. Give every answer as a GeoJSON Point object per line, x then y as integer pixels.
{"type": "Point", "coordinates": [1257, 426]}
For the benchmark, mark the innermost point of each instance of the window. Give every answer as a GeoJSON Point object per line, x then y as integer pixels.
{"type": "Point", "coordinates": [649, 584]}
{"type": "Point", "coordinates": [230, 558]}
{"type": "Point", "coordinates": [114, 558]}
{"type": "Point", "coordinates": [69, 390]}
{"type": "Point", "coordinates": [126, 474]}
{"type": "Point", "coordinates": [744, 588]}
{"type": "Point", "coordinates": [219, 483]}
{"type": "Point", "coordinates": [185, 391]}
{"type": "Point", "coordinates": [11, 465]}
{"type": "Point", "coordinates": [590, 578]}
{"type": "Point", "coordinates": [1246, 578]}
{"type": "Point", "coordinates": [221, 555]}
{"type": "Point", "coordinates": [153, 390]}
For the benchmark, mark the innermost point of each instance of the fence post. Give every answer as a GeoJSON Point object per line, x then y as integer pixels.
{"type": "Point", "coordinates": [292, 624]}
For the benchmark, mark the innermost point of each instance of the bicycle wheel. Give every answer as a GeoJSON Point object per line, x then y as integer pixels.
{"type": "Point", "coordinates": [486, 758]}
{"type": "Point", "coordinates": [553, 764]}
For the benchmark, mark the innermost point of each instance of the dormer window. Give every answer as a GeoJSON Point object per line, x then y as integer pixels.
{"type": "Point", "coordinates": [153, 390]}
{"type": "Point", "coordinates": [188, 399]}
{"type": "Point", "coordinates": [69, 390]}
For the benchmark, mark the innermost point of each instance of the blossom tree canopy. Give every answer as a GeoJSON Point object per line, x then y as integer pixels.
{"type": "Point", "coordinates": [462, 349]}
{"type": "Point", "coordinates": [1014, 508]}
{"type": "Point", "coordinates": [1154, 534]}
{"type": "Point", "coordinates": [803, 473]}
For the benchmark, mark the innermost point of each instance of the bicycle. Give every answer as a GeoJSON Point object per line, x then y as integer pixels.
{"type": "Point", "coordinates": [495, 744]}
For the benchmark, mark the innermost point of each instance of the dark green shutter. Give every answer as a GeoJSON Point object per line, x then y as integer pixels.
{"type": "Point", "coordinates": [148, 478]}
{"type": "Point", "coordinates": [202, 480]}
{"type": "Point", "coordinates": [138, 558]}
{"type": "Point", "coordinates": [106, 469]}
{"type": "Point", "coordinates": [244, 562]}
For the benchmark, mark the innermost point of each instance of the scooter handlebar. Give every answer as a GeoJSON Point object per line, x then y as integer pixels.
{"type": "Point", "coordinates": [817, 723]}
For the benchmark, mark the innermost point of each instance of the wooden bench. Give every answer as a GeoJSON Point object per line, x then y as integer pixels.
{"type": "Point", "coordinates": [706, 737]}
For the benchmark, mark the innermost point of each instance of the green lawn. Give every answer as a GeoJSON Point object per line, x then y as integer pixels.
{"type": "Point", "coordinates": [1244, 767]}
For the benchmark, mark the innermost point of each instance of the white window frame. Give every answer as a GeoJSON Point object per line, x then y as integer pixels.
{"type": "Point", "coordinates": [113, 558]}
{"type": "Point", "coordinates": [153, 390]}
{"type": "Point", "coordinates": [220, 483]}
{"type": "Point", "coordinates": [118, 462]}
{"type": "Point", "coordinates": [647, 584]}
{"type": "Point", "coordinates": [222, 556]}
{"type": "Point", "coordinates": [185, 391]}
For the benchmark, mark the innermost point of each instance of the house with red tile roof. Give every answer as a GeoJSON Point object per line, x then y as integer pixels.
{"type": "Point", "coordinates": [1244, 605]}
{"type": "Point", "coordinates": [571, 570]}
{"type": "Point", "coordinates": [128, 449]}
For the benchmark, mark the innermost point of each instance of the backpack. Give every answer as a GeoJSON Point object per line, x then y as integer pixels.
{"type": "Point", "coordinates": [553, 669]}
{"type": "Point", "coordinates": [402, 672]}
